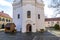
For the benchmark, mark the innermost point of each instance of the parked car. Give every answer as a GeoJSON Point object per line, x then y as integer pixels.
{"type": "Point", "coordinates": [10, 27]}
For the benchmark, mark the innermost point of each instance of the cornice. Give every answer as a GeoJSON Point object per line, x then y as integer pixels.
{"type": "Point", "coordinates": [40, 5]}
{"type": "Point", "coordinates": [16, 3]}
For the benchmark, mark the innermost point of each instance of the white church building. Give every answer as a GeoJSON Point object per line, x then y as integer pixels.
{"type": "Point", "coordinates": [28, 15]}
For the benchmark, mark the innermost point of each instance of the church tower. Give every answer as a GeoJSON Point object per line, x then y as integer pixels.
{"type": "Point", "coordinates": [28, 15]}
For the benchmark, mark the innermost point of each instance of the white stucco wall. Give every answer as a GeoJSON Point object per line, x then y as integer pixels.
{"type": "Point", "coordinates": [18, 22]}
{"type": "Point", "coordinates": [22, 9]}
{"type": "Point", "coordinates": [26, 20]}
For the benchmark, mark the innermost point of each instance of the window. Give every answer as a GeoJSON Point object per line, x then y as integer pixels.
{"type": "Point", "coordinates": [18, 16]}
{"type": "Point", "coordinates": [28, 14]}
{"type": "Point", "coordinates": [9, 20]}
{"type": "Point", "coordinates": [57, 22]}
{"type": "Point", "coordinates": [38, 16]}
{"type": "Point", "coordinates": [0, 19]}
{"type": "Point", "coordinates": [6, 20]}
{"type": "Point", "coordinates": [48, 22]}
{"type": "Point", "coordinates": [3, 19]}
{"type": "Point", "coordinates": [52, 22]}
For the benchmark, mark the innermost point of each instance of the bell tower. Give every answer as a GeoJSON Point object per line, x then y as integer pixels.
{"type": "Point", "coordinates": [28, 15]}
{"type": "Point", "coordinates": [17, 14]}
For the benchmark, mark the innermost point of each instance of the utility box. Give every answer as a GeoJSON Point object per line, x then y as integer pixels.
{"type": "Point", "coordinates": [10, 27]}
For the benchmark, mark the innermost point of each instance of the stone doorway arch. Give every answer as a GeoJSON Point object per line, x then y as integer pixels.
{"type": "Point", "coordinates": [28, 28]}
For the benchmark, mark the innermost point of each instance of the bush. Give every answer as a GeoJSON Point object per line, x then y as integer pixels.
{"type": "Point", "coordinates": [41, 30]}
{"type": "Point", "coordinates": [56, 27]}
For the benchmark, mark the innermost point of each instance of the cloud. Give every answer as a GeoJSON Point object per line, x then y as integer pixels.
{"type": "Point", "coordinates": [48, 11]}
{"type": "Point", "coordinates": [47, 2]}
{"type": "Point", "coordinates": [58, 15]}
{"type": "Point", "coordinates": [5, 3]}
{"type": "Point", "coordinates": [6, 7]}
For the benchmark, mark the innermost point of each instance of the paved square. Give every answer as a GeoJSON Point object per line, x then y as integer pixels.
{"type": "Point", "coordinates": [28, 36]}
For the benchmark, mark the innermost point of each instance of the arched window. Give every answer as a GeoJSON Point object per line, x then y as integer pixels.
{"type": "Point", "coordinates": [6, 20]}
{"type": "Point", "coordinates": [3, 19]}
{"type": "Point", "coordinates": [28, 14]}
{"type": "Point", "coordinates": [0, 19]}
{"type": "Point", "coordinates": [57, 22]}
{"type": "Point", "coordinates": [38, 16]}
{"type": "Point", "coordinates": [9, 20]}
{"type": "Point", "coordinates": [18, 16]}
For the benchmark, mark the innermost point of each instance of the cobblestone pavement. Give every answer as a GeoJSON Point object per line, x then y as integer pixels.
{"type": "Point", "coordinates": [54, 32]}
{"type": "Point", "coordinates": [28, 36]}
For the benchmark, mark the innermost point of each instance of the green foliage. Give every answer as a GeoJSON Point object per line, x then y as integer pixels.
{"type": "Point", "coordinates": [56, 26]}
{"type": "Point", "coordinates": [41, 30]}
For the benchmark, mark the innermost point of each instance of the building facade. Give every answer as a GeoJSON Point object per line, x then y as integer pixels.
{"type": "Point", "coordinates": [28, 15]}
{"type": "Point", "coordinates": [50, 22]}
{"type": "Point", "coordinates": [4, 19]}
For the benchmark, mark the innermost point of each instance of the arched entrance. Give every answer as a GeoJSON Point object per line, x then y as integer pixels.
{"type": "Point", "coordinates": [29, 28]}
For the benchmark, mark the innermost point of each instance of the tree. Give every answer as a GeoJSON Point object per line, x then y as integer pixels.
{"type": "Point", "coordinates": [55, 4]}
{"type": "Point", "coordinates": [56, 26]}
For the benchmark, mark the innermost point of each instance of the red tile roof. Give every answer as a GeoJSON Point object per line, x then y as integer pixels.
{"type": "Point", "coordinates": [52, 19]}
{"type": "Point", "coordinates": [4, 15]}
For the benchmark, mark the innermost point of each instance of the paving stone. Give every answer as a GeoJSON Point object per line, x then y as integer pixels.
{"type": "Point", "coordinates": [28, 36]}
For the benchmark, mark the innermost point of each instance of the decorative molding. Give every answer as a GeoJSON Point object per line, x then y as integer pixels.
{"type": "Point", "coordinates": [22, 4]}
{"type": "Point", "coordinates": [15, 3]}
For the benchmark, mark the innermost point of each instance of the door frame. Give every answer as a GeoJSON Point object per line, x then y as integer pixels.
{"type": "Point", "coordinates": [28, 28]}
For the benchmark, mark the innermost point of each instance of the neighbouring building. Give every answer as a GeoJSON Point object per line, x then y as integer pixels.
{"type": "Point", "coordinates": [28, 15]}
{"type": "Point", "coordinates": [4, 19]}
{"type": "Point", "coordinates": [50, 22]}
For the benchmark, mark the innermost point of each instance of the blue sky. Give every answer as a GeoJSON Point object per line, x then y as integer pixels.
{"type": "Point", "coordinates": [6, 6]}
{"type": "Point", "coordinates": [9, 0]}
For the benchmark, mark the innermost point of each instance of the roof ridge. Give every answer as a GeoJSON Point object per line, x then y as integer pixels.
{"type": "Point", "coordinates": [5, 15]}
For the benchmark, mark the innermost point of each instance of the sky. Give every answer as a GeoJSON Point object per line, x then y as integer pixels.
{"type": "Point", "coordinates": [6, 6]}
